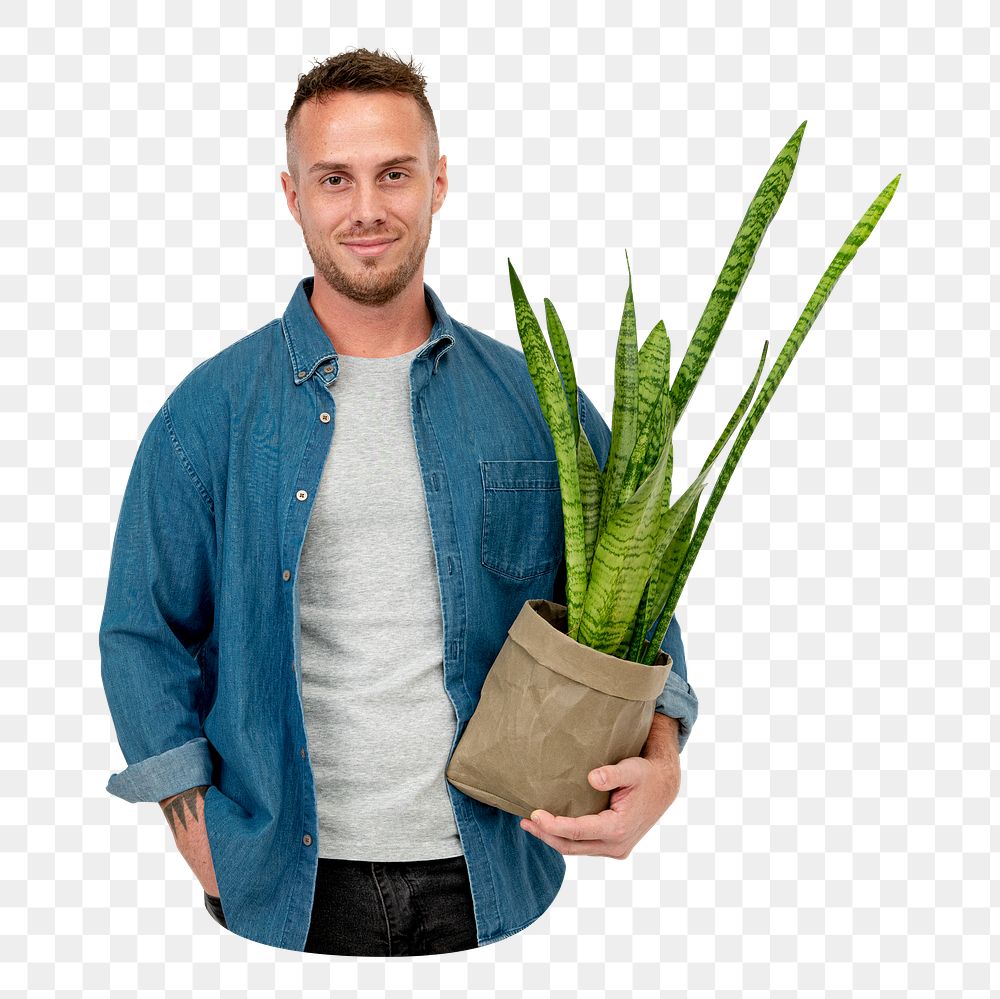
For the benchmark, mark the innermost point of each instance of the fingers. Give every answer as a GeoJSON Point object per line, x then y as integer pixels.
{"type": "Point", "coordinates": [605, 825]}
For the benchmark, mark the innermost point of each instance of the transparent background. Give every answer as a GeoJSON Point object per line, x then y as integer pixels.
{"type": "Point", "coordinates": [833, 831]}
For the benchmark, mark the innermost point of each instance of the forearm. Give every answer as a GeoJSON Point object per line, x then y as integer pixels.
{"type": "Point", "coordinates": [185, 814]}
{"type": "Point", "coordinates": [663, 743]}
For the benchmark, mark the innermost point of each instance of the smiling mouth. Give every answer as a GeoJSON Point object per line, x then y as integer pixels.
{"type": "Point", "coordinates": [370, 249]}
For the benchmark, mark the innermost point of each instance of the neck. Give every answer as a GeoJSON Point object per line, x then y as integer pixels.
{"type": "Point", "coordinates": [360, 330]}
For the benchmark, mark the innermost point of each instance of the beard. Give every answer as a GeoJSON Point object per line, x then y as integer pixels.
{"type": "Point", "coordinates": [369, 280]}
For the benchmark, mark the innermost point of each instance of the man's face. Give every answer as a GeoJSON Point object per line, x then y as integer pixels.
{"type": "Point", "coordinates": [362, 199]}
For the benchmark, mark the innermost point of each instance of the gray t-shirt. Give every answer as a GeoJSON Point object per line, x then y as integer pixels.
{"type": "Point", "coordinates": [379, 721]}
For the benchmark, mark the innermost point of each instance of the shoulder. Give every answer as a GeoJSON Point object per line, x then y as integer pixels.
{"type": "Point", "coordinates": [209, 382]}
{"type": "Point", "coordinates": [206, 380]}
{"type": "Point", "coordinates": [503, 365]}
{"type": "Point", "coordinates": [498, 351]}
{"type": "Point", "coordinates": [209, 399]}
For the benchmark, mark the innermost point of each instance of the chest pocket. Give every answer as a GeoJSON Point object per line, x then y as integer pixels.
{"type": "Point", "coordinates": [522, 517]}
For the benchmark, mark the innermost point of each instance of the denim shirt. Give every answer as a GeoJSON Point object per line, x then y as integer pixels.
{"type": "Point", "coordinates": [199, 639]}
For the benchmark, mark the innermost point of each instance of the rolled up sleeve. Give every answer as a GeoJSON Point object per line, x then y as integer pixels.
{"type": "Point", "coordinates": [157, 777]}
{"type": "Point", "coordinates": [677, 699]}
{"type": "Point", "coordinates": [158, 613]}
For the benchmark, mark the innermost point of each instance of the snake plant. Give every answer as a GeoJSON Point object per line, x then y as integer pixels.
{"type": "Point", "coordinates": [628, 548]}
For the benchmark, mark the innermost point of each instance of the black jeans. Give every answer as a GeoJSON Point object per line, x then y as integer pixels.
{"type": "Point", "coordinates": [387, 909]}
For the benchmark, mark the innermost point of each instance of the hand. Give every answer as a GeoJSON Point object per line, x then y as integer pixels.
{"type": "Point", "coordinates": [644, 788]}
{"type": "Point", "coordinates": [185, 812]}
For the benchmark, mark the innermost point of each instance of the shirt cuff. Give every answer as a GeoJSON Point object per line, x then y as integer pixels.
{"type": "Point", "coordinates": [157, 777]}
{"type": "Point", "coordinates": [678, 700]}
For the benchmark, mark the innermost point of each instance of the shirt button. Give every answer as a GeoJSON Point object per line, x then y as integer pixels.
{"type": "Point", "coordinates": [301, 494]}
{"type": "Point", "coordinates": [329, 367]}
{"type": "Point", "coordinates": [302, 374]}
{"type": "Point", "coordinates": [302, 752]}
{"type": "Point", "coordinates": [307, 839]}
{"type": "Point", "coordinates": [286, 575]}
{"type": "Point", "coordinates": [324, 417]}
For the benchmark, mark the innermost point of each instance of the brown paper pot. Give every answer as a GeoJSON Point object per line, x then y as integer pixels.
{"type": "Point", "coordinates": [551, 710]}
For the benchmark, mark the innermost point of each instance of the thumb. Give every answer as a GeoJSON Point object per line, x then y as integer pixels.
{"type": "Point", "coordinates": [604, 778]}
{"type": "Point", "coordinates": [614, 775]}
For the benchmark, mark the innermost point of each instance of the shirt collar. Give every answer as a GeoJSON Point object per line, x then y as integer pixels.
{"type": "Point", "coordinates": [309, 346]}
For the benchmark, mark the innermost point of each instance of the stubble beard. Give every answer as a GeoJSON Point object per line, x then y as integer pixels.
{"type": "Point", "coordinates": [369, 281]}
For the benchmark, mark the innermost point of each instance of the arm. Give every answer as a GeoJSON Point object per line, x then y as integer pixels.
{"type": "Point", "coordinates": [662, 742]}
{"type": "Point", "coordinates": [158, 613]}
{"type": "Point", "coordinates": [185, 814]}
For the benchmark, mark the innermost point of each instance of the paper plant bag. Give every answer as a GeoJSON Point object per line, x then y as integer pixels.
{"type": "Point", "coordinates": [551, 710]}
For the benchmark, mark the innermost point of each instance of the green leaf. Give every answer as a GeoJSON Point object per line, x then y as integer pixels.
{"type": "Point", "coordinates": [633, 538]}
{"type": "Point", "coordinates": [665, 571]}
{"type": "Point", "coordinates": [629, 550]}
{"type": "Point", "coordinates": [654, 393]}
{"type": "Point", "coordinates": [555, 409]}
{"type": "Point", "coordinates": [814, 306]}
{"type": "Point", "coordinates": [624, 416]}
{"type": "Point", "coordinates": [634, 542]}
{"type": "Point", "coordinates": [591, 486]}
{"type": "Point", "coordinates": [763, 207]}
{"type": "Point", "coordinates": [564, 359]}
{"type": "Point", "coordinates": [659, 585]}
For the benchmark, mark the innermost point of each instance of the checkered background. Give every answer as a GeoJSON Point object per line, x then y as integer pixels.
{"type": "Point", "coordinates": [833, 831]}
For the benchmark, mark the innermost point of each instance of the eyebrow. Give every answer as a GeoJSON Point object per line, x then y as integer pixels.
{"type": "Point", "coordinates": [330, 165]}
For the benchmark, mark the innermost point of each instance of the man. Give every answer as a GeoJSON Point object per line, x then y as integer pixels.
{"type": "Point", "coordinates": [299, 621]}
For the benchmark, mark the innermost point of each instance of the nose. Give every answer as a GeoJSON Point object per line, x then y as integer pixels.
{"type": "Point", "coordinates": [367, 210]}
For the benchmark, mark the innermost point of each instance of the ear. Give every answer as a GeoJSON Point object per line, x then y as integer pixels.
{"type": "Point", "coordinates": [291, 196]}
{"type": "Point", "coordinates": [440, 185]}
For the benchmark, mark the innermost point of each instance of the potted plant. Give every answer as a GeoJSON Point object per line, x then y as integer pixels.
{"type": "Point", "coordinates": [574, 687]}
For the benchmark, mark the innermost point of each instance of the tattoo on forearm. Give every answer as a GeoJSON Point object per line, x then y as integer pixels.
{"type": "Point", "coordinates": [184, 806]}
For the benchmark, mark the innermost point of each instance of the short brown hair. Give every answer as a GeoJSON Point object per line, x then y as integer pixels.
{"type": "Point", "coordinates": [363, 70]}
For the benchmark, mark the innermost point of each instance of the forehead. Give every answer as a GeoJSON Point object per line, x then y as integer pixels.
{"type": "Point", "coordinates": [349, 124]}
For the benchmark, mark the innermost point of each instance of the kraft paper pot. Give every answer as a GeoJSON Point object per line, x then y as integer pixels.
{"type": "Point", "coordinates": [551, 710]}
